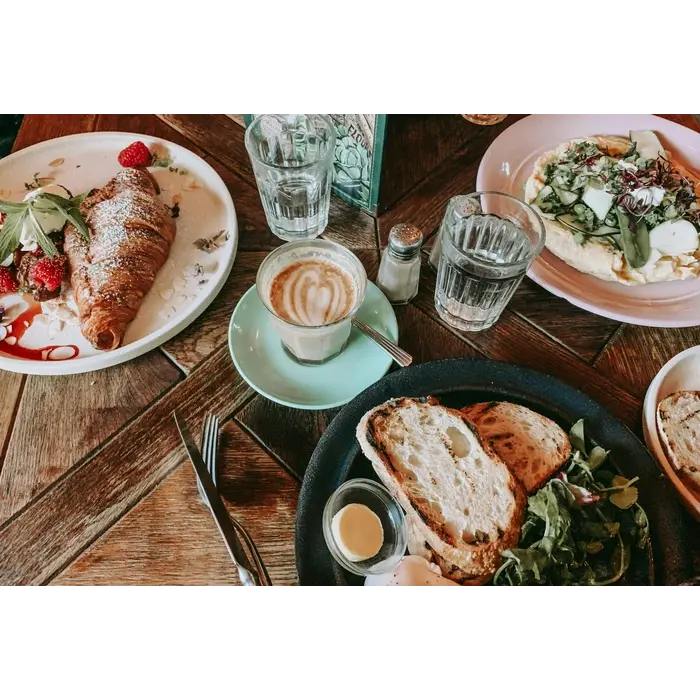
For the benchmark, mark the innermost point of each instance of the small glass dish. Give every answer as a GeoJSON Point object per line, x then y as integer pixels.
{"type": "Point", "coordinates": [382, 503]}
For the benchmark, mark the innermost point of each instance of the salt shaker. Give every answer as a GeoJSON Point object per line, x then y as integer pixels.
{"type": "Point", "coordinates": [399, 270]}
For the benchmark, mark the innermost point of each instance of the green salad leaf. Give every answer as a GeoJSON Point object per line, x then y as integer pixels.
{"type": "Point", "coordinates": [581, 528]}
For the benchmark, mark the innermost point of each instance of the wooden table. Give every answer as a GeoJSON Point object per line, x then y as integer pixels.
{"type": "Point", "coordinates": [94, 485]}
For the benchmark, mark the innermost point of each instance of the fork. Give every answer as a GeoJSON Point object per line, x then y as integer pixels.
{"type": "Point", "coordinates": [210, 435]}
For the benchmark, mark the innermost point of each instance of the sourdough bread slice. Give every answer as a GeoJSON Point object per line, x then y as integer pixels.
{"type": "Point", "coordinates": [678, 421]}
{"type": "Point", "coordinates": [533, 447]}
{"type": "Point", "coordinates": [463, 505]}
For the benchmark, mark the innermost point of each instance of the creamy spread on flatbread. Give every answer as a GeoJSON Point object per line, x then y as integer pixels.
{"type": "Point", "coordinates": [633, 184]}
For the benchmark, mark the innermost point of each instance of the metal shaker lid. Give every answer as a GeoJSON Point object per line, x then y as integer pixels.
{"type": "Point", "coordinates": [405, 240]}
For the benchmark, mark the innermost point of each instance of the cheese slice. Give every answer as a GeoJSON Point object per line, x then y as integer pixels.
{"type": "Point", "coordinates": [598, 200]}
{"type": "Point", "coordinates": [674, 237]}
{"type": "Point", "coordinates": [648, 144]}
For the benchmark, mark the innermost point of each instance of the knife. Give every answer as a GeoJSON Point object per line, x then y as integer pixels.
{"type": "Point", "coordinates": [218, 509]}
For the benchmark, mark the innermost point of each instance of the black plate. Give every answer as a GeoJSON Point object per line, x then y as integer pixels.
{"type": "Point", "coordinates": [457, 383]}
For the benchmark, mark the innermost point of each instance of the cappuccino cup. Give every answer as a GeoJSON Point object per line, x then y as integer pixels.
{"type": "Point", "coordinates": [311, 289]}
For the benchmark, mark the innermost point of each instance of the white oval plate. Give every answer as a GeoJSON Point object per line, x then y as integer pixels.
{"type": "Point", "coordinates": [508, 163]}
{"type": "Point", "coordinates": [177, 297]}
{"type": "Point", "coordinates": [681, 373]}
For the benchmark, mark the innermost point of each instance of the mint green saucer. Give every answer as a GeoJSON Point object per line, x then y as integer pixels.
{"type": "Point", "coordinates": [261, 360]}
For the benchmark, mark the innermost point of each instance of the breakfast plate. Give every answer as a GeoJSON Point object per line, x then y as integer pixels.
{"type": "Point", "coordinates": [39, 339]}
{"type": "Point", "coordinates": [459, 382]}
{"type": "Point", "coordinates": [681, 373]}
{"type": "Point", "coordinates": [509, 162]}
{"type": "Point", "coordinates": [261, 360]}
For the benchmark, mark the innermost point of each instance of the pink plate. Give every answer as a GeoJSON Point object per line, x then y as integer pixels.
{"type": "Point", "coordinates": [508, 163]}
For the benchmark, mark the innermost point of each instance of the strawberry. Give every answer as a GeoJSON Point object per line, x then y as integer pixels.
{"type": "Point", "coordinates": [8, 283]}
{"type": "Point", "coordinates": [3, 216]}
{"type": "Point", "coordinates": [136, 155]}
{"type": "Point", "coordinates": [49, 272]}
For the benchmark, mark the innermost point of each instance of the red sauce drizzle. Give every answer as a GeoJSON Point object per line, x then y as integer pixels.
{"type": "Point", "coordinates": [19, 327]}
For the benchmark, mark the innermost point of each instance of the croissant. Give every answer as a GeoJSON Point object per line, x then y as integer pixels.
{"type": "Point", "coordinates": [131, 234]}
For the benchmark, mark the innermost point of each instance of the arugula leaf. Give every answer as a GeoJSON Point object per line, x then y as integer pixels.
{"type": "Point", "coordinates": [10, 233]}
{"type": "Point", "coordinates": [580, 528]}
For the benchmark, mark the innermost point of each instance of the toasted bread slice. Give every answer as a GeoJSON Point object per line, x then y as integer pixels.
{"type": "Point", "coordinates": [464, 506]}
{"type": "Point", "coordinates": [533, 447]}
{"type": "Point", "coordinates": [678, 421]}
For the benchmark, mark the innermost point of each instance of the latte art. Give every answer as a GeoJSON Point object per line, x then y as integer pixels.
{"type": "Point", "coordinates": [312, 293]}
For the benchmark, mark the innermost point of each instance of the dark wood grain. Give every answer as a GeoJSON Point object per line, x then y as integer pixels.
{"type": "Point", "coordinates": [147, 124]}
{"type": "Point", "coordinates": [583, 332]}
{"type": "Point", "coordinates": [51, 434]}
{"type": "Point", "coordinates": [429, 138]}
{"type": "Point", "coordinates": [238, 118]}
{"type": "Point", "coordinates": [62, 521]}
{"type": "Point", "coordinates": [170, 537]}
{"type": "Point", "coordinates": [40, 127]}
{"type": "Point", "coordinates": [425, 204]}
{"type": "Point", "coordinates": [10, 389]}
{"type": "Point", "coordinates": [218, 135]}
{"type": "Point", "coordinates": [634, 357]}
{"type": "Point", "coordinates": [515, 340]}
{"type": "Point", "coordinates": [210, 331]}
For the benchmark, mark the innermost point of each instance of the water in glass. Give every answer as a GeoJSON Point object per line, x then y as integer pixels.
{"type": "Point", "coordinates": [292, 160]}
{"type": "Point", "coordinates": [482, 261]}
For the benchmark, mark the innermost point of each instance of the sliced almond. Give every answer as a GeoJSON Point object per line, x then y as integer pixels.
{"type": "Point", "coordinates": [56, 162]}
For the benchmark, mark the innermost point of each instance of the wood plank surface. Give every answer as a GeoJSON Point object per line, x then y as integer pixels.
{"type": "Point", "coordinates": [60, 523]}
{"type": "Point", "coordinates": [638, 353]}
{"type": "Point", "coordinates": [425, 204]}
{"type": "Point", "coordinates": [170, 537]}
{"type": "Point", "coordinates": [515, 340]}
{"type": "Point", "coordinates": [53, 432]}
{"type": "Point", "coordinates": [38, 127]}
{"type": "Point", "coordinates": [10, 389]}
{"type": "Point", "coordinates": [581, 331]}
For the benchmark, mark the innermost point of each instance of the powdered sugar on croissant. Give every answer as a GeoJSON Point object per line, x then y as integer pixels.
{"type": "Point", "coordinates": [131, 234]}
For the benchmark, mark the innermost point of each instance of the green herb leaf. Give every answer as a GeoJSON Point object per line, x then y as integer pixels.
{"type": "Point", "coordinates": [634, 239]}
{"type": "Point", "coordinates": [45, 243]}
{"type": "Point", "coordinates": [577, 437]}
{"type": "Point", "coordinates": [9, 207]}
{"type": "Point", "coordinates": [69, 210]}
{"type": "Point", "coordinates": [10, 233]}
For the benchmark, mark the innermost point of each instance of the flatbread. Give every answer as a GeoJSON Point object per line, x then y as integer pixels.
{"type": "Point", "coordinates": [600, 258]}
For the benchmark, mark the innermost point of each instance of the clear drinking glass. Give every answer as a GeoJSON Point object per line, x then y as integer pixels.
{"type": "Point", "coordinates": [488, 241]}
{"type": "Point", "coordinates": [292, 157]}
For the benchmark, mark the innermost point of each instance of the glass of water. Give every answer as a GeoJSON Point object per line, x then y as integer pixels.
{"type": "Point", "coordinates": [488, 241]}
{"type": "Point", "coordinates": [292, 157]}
